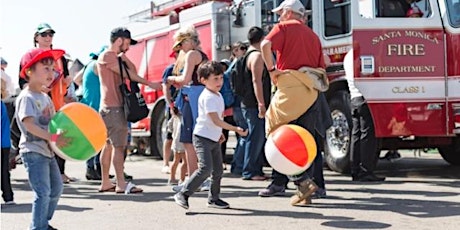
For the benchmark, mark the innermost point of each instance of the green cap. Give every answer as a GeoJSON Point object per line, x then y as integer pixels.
{"type": "Point", "coordinates": [43, 27]}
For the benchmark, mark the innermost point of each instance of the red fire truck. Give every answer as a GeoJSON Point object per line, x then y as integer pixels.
{"type": "Point", "coordinates": [407, 68]}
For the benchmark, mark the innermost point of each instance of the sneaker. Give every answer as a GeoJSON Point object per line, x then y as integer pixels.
{"type": "Point", "coordinates": [178, 187]}
{"type": "Point", "coordinates": [218, 204]}
{"type": "Point", "coordinates": [304, 190]}
{"type": "Point", "coordinates": [181, 200]}
{"type": "Point", "coordinates": [273, 190]}
{"type": "Point", "coordinates": [91, 174]}
{"type": "Point", "coordinates": [127, 177]}
{"type": "Point", "coordinates": [205, 186]}
{"type": "Point", "coordinates": [165, 170]}
{"type": "Point", "coordinates": [11, 202]}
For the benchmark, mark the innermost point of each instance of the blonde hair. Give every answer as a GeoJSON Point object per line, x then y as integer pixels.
{"type": "Point", "coordinates": [179, 64]}
{"type": "Point", "coordinates": [186, 32]}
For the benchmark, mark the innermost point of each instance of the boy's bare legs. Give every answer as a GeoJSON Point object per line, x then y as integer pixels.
{"type": "Point", "coordinates": [175, 163]}
{"type": "Point", "coordinates": [166, 155]}
{"type": "Point", "coordinates": [192, 158]}
{"type": "Point", "coordinates": [183, 167]}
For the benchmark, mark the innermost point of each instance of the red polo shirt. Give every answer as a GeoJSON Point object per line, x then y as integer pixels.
{"type": "Point", "coordinates": [296, 45]}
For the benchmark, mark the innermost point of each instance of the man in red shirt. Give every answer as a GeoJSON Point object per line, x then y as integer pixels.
{"type": "Point", "coordinates": [295, 46]}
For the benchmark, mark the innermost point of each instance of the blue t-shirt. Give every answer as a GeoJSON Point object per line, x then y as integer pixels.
{"type": "Point", "coordinates": [91, 92]}
{"type": "Point", "coordinates": [6, 141]}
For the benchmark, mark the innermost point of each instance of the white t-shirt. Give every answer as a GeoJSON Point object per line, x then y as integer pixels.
{"type": "Point", "coordinates": [209, 102]}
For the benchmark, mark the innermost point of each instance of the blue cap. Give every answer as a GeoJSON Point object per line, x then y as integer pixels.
{"type": "Point", "coordinates": [95, 55]}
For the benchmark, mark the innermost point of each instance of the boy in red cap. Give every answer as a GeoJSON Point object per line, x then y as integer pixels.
{"type": "Point", "coordinates": [34, 110]}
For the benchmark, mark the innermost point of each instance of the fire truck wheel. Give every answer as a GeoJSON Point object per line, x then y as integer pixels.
{"type": "Point", "coordinates": [158, 130]}
{"type": "Point", "coordinates": [451, 153]}
{"type": "Point", "coordinates": [336, 146]}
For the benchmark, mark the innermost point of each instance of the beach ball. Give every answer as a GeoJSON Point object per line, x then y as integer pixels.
{"type": "Point", "coordinates": [85, 128]}
{"type": "Point", "coordinates": [290, 149]}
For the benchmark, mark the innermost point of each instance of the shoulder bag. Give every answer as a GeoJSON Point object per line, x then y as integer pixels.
{"type": "Point", "coordinates": [133, 101]}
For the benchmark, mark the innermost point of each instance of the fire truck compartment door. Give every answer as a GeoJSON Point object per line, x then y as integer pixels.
{"type": "Point", "coordinates": [400, 69]}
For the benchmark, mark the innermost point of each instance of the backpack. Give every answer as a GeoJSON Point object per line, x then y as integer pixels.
{"type": "Point", "coordinates": [226, 91]}
{"type": "Point", "coordinates": [238, 78]}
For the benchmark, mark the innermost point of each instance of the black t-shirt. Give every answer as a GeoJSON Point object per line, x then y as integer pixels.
{"type": "Point", "coordinates": [249, 100]}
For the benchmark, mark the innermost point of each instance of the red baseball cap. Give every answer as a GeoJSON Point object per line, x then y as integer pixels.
{"type": "Point", "coordinates": [34, 55]}
{"type": "Point", "coordinates": [173, 54]}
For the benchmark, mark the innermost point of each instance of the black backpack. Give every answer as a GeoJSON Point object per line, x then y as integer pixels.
{"type": "Point", "coordinates": [238, 78]}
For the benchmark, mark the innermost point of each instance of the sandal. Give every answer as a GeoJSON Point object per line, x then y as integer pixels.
{"type": "Point", "coordinates": [111, 189]}
{"type": "Point", "coordinates": [130, 188]}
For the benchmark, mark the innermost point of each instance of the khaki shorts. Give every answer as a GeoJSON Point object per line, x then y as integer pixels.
{"type": "Point", "coordinates": [176, 146]}
{"type": "Point", "coordinates": [117, 126]}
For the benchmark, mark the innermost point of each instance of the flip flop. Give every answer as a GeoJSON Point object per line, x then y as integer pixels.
{"type": "Point", "coordinates": [111, 189]}
{"type": "Point", "coordinates": [130, 188]}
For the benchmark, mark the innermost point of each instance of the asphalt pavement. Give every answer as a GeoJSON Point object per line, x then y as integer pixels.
{"type": "Point", "coordinates": [421, 192]}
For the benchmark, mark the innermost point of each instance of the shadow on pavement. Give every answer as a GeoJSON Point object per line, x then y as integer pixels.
{"type": "Point", "coordinates": [408, 207]}
{"type": "Point", "coordinates": [26, 208]}
{"type": "Point", "coordinates": [254, 212]}
{"type": "Point", "coordinates": [356, 224]}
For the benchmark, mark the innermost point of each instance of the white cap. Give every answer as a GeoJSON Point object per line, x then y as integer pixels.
{"type": "Point", "coordinates": [294, 5]}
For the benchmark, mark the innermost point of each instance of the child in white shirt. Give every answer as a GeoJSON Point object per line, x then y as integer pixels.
{"type": "Point", "coordinates": [207, 136]}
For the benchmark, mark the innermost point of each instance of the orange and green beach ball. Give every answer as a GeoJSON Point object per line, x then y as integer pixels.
{"type": "Point", "coordinates": [83, 126]}
{"type": "Point", "coordinates": [290, 149]}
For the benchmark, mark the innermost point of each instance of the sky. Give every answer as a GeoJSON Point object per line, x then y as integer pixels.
{"type": "Point", "coordinates": [81, 26]}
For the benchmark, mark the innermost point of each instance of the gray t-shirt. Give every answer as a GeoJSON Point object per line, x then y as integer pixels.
{"type": "Point", "coordinates": [41, 108]}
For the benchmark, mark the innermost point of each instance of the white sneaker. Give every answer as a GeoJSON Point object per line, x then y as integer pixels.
{"type": "Point", "coordinates": [206, 186]}
{"type": "Point", "coordinates": [166, 169]}
{"type": "Point", "coordinates": [178, 188]}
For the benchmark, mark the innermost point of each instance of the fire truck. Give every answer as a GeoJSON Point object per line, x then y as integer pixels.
{"type": "Point", "coordinates": [407, 68]}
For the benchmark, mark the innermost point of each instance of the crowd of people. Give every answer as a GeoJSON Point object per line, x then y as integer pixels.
{"type": "Point", "coordinates": [199, 120]}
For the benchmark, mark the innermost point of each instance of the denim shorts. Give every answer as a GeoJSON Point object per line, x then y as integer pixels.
{"type": "Point", "coordinates": [186, 130]}
{"type": "Point", "coordinates": [117, 126]}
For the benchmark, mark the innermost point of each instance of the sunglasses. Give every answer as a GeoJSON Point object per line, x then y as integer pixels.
{"type": "Point", "coordinates": [242, 48]}
{"type": "Point", "coordinates": [45, 34]}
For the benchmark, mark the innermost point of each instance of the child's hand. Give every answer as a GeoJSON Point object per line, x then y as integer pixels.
{"type": "Point", "coordinates": [63, 141]}
{"type": "Point", "coordinates": [241, 131]}
{"type": "Point", "coordinates": [60, 140]}
{"type": "Point", "coordinates": [221, 139]}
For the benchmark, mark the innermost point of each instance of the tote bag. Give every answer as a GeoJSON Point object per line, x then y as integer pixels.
{"type": "Point", "coordinates": [133, 101]}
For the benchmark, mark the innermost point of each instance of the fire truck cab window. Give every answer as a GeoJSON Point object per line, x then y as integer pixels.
{"type": "Point", "coordinates": [336, 17]}
{"type": "Point", "coordinates": [453, 7]}
{"type": "Point", "coordinates": [268, 17]}
{"type": "Point", "coordinates": [403, 8]}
